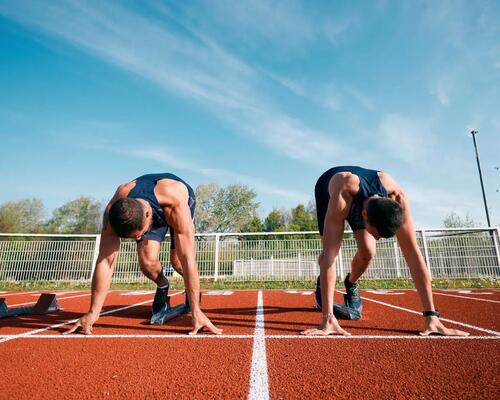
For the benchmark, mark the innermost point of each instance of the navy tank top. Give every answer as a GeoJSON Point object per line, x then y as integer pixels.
{"type": "Point", "coordinates": [144, 189]}
{"type": "Point", "coordinates": [369, 185]}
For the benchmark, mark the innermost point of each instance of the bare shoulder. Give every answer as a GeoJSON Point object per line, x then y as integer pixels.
{"type": "Point", "coordinates": [170, 192]}
{"type": "Point", "coordinates": [124, 189]}
{"type": "Point", "coordinates": [344, 184]}
{"type": "Point", "coordinates": [389, 183]}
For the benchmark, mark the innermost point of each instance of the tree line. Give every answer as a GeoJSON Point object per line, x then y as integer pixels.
{"type": "Point", "coordinates": [232, 208]}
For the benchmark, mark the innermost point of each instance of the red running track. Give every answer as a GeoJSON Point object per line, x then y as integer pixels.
{"type": "Point", "coordinates": [260, 355]}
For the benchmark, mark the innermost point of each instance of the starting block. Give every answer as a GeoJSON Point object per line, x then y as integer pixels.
{"type": "Point", "coordinates": [46, 303]}
{"type": "Point", "coordinates": [168, 313]}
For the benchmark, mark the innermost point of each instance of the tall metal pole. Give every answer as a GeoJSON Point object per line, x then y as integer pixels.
{"type": "Point", "coordinates": [474, 133]}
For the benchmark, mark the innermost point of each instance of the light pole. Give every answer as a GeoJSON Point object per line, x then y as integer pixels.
{"type": "Point", "coordinates": [474, 133]}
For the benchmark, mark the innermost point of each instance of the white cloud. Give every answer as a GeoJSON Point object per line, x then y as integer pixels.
{"type": "Point", "coordinates": [362, 98]}
{"type": "Point", "coordinates": [441, 89]}
{"type": "Point", "coordinates": [335, 29]}
{"type": "Point", "coordinates": [170, 159]}
{"type": "Point", "coordinates": [333, 102]}
{"type": "Point", "coordinates": [406, 139]}
{"type": "Point", "coordinates": [293, 86]}
{"type": "Point", "coordinates": [196, 68]}
{"type": "Point", "coordinates": [431, 205]}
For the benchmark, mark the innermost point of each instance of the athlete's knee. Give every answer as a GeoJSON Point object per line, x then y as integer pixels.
{"type": "Point", "coordinates": [151, 268]}
{"type": "Point", "coordinates": [366, 255]}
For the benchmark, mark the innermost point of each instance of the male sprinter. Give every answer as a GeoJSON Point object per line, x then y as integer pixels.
{"type": "Point", "coordinates": [375, 206]}
{"type": "Point", "coordinates": [145, 209]}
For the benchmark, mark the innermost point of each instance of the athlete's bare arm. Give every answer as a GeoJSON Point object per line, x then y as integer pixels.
{"type": "Point", "coordinates": [173, 196]}
{"type": "Point", "coordinates": [407, 240]}
{"type": "Point", "coordinates": [341, 189]}
{"type": "Point", "coordinates": [106, 259]}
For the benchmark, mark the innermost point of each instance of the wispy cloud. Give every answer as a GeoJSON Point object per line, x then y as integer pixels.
{"type": "Point", "coordinates": [332, 101]}
{"type": "Point", "coordinates": [171, 159]}
{"type": "Point", "coordinates": [406, 139]}
{"type": "Point", "coordinates": [432, 205]}
{"type": "Point", "coordinates": [293, 86]}
{"type": "Point", "coordinates": [335, 29]}
{"type": "Point", "coordinates": [441, 89]}
{"type": "Point", "coordinates": [193, 66]}
{"type": "Point", "coordinates": [361, 97]}
{"type": "Point", "coordinates": [283, 22]}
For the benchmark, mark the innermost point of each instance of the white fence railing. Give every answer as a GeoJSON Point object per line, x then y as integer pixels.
{"type": "Point", "coordinates": [449, 254]}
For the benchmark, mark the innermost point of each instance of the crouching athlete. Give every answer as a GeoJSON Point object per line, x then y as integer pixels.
{"type": "Point", "coordinates": [145, 209]}
{"type": "Point", "coordinates": [375, 207]}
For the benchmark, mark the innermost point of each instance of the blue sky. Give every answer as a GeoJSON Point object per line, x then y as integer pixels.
{"type": "Point", "coordinates": [264, 93]}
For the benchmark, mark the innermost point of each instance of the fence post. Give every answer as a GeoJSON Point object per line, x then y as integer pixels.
{"type": "Point", "coordinates": [216, 257]}
{"type": "Point", "coordinates": [341, 265]}
{"type": "Point", "coordinates": [300, 265]}
{"type": "Point", "coordinates": [272, 265]}
{"type": "Point", "coordinates": [426, 253]}
{"type": "Point", "coordinates": [496, 238]}
{"type": "Point", "coordinates": [396, 259]}
{"type": "Point", "coordinates": [96, 254]}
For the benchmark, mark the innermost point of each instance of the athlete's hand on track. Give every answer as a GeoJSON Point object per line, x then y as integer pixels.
{"type": "Point", "coordinates": [329, 326]}
{"type": "Point", "coordinates": [434, 326]}
{"type": "Point", "coordinates": [200, 321]}
{"type": "Point", "coordinates": [83, 325]}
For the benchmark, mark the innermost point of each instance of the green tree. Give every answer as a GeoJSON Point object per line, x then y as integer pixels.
{"type": "Point", "coordinates": [301, 219]}
{"type": "Point", "coordinates": [228, 209]}
{"type": "Point", "coordinates": [82, 215]}
{"type": "Point", "coordinates": [255, 225]}
{"type": "Point", "coordinates": [23, 216]}
{"type": "Point", "coordinates": [275, 221]}
{"type": "Point", "coordinates": [453, 220]}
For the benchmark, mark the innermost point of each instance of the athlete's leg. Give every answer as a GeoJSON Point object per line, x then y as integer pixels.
{"type": "Point", "coordinates": [366, 251]}
{"type": "Point", "coordinates": [149, 261]}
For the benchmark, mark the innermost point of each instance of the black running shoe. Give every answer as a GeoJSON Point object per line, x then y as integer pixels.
{"type": "Point", "coordinates": [340, 311]}
{"type": "Point", "coordinates": [352, 298]}
{"type": "Point", "coordinates": [160, 301]}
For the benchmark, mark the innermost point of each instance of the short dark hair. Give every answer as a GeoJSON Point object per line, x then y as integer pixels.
{"type": "Point", "coordinates": [384, 214]}
{"type": "Point", "coordinates": [126, 216]}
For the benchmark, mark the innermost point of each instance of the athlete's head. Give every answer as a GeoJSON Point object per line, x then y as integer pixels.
{"type": "Point", "coordinates": [128, 218]}
{"type": "Point", "coordinates": [383, 217]}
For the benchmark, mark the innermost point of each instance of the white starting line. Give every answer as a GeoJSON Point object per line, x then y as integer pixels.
{"type": "Point", "coordinates": [266, 337]}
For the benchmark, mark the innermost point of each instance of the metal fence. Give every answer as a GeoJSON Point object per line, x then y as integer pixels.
{"type": "Point", "coordinates": [449, 254]}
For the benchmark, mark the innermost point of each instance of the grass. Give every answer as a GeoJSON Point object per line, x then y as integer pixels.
{"type": "Point", "coordinates": [476, 283]}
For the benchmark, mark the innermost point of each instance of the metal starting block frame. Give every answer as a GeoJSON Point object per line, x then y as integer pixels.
{"type": "Point", "coordinates": [168, 313]}
{"type": "Point", "coordinates": [47, 303]}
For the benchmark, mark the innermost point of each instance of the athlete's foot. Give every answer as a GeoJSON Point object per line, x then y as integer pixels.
{"type": "Point", "coordinates": [160, 301]}
{"type": "Point", "coordinates": [352, 298]}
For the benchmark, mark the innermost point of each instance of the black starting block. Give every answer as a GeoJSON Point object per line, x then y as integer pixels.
{"type": "Point", "coordinates": [46, 303]}
{"type": "Point", "coordinates": [168, 313]}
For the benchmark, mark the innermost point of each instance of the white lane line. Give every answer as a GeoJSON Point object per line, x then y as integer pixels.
{"type": "Point", "coordinates": [57, 298]}
{"type": "Point", "coordinates": [466, 297]}
{"type": "Point", "coordinates": [477, 328]}
{"type": "Point", "coordinates": [271, 337]}
{"type": "Point", "coordinates": [30, 333]}
{"type": "Point", "coordinates": [259, 386]}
